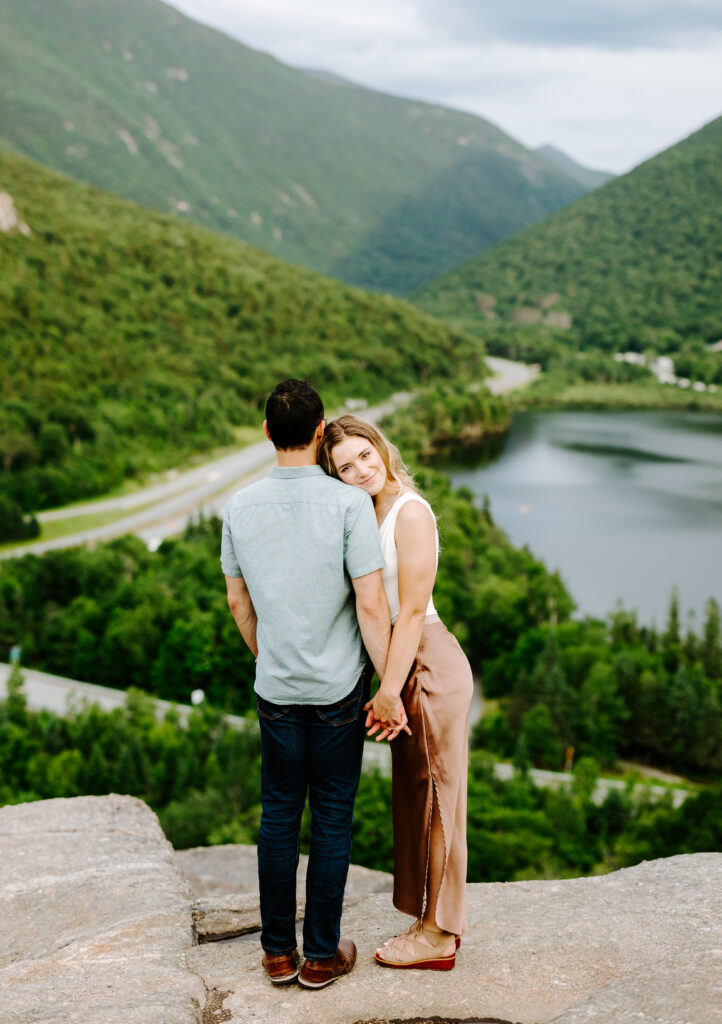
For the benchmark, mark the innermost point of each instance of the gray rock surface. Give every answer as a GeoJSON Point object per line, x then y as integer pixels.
{"type": "Point", "coordinates": [685, 988]}
{"type": "Point", "coordinates": [96, 917]}
{"type": "Point", "coordinates": [581, 950]}
{"type": "Point", "coordinates": [224, 882]}
{"type": "Point", "coordinates": [229, 916]}
{"type": "Point", "coordinates": [98, 930]}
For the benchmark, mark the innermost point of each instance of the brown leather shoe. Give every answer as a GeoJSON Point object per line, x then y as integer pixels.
{"type": "Point", "coordinates": [281, 967]}
{"type": "Point", "coordinates": [317, 973]}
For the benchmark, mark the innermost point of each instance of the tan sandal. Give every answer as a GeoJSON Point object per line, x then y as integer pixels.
{"type": "Point", "coordinates": [416, 924]}
{"type": "Point", "coordinates": [419, 949]}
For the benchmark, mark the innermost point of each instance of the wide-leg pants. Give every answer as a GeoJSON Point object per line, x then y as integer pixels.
{"type": "Point", "coordinates": [430, 768]}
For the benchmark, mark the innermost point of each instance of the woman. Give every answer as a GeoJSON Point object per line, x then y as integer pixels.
{"type": "Point", "coordinates": [427, 676]}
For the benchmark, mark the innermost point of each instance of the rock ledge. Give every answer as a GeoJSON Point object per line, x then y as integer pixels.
{"type": "Point", "coordinates": [97, 917]}
{"type": "Point", "coordinates": [98, 929]}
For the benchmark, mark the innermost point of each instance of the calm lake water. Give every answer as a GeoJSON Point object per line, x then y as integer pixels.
{"type": "Point", "coordinates": [625, 505]}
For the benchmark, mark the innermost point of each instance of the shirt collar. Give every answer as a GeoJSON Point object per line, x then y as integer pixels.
{"type": "Point", "coordinates": [289, 472]}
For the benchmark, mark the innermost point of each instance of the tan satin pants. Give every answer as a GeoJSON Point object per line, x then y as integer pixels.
{"type": "Point", "coordinates": [430, 767]}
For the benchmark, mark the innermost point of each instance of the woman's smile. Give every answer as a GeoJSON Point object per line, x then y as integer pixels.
{"type": "Point", "coordinates": [358, 463]}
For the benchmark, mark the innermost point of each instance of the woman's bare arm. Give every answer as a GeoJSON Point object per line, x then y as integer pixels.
{"type": "Point", "coordinates": [415, 537]}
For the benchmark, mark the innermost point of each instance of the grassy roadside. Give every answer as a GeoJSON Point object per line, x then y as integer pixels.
{"type": "Point", "coordinates": [243, 437]}
{"type": "Point", "coordinates": [549, 392]}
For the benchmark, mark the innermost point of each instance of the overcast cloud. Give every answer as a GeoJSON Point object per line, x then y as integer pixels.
{"type": "Point", "coordinates": [610, 82]}
{"type": "Point", "coordinates": [608, 24]}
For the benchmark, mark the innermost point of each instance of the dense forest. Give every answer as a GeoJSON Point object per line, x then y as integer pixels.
{"type": "Point", "coordinates": [203, 780]}
{"type": "Point", "coordinates": [610, 690]}
{"type": "Point", "coordinates": [384, 192]}
{"type": "Point", "coordinates": [130, 340]}
{"type": "Point", "coordinates": [634, 265]}
{"type": "Point", "coordinates": [123, 616]}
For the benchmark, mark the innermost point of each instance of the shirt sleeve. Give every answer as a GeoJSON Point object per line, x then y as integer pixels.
{"type": "Point", "coordinates": [229, 561]}
{"type": "Point", "coordinates": [362, 552]}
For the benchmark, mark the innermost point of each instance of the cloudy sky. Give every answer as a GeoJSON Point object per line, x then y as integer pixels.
{"type": "Point", "coordinates": [611, 82]}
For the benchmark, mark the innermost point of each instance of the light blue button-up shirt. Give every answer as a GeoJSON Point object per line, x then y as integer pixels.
{"type": "Point", "coordinates": [298, 538]}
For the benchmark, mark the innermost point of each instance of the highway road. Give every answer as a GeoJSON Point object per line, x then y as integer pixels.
{"type": "Point", "coordinates": [508, 375]}
{"type": "Point", "coordinates": [164, 508]}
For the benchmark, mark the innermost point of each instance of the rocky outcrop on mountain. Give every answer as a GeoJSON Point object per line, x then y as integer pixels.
{"type": "Point", "coordinates": [99, 927]}
{"type": "Point", "coordinates": [9, 219]}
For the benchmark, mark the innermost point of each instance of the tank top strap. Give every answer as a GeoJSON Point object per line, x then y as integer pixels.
{"type": "Point", "coordinates": [389, 524]}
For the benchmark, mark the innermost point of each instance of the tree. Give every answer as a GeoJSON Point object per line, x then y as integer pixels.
{"type": "Point", "coordinates": [711, 647]}
{"type": "Point", "coordinates": [14, 524]}
{"type": "Point", "coordinates": [671, 640]}
{"type": "Point", "coordinates": [550, 683]}
{"type": "Point", "coordinates": [540, 737]}
{"type": "Point", "coordinates": [15, 704]}
{"type": "Point", "coordinates": [602, 712]}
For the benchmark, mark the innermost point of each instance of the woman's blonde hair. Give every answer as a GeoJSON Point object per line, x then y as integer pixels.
{"type": "Point", "coordinates": [352, 426]}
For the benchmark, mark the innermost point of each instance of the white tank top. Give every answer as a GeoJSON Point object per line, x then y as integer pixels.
{"type": "Point", "coordinates": [390, 573]}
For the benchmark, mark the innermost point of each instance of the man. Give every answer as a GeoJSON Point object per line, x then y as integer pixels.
{"type": "Point", "coordinates": [302, 561]}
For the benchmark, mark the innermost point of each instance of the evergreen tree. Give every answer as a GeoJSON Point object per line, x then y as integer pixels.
{"type": "Point", "coordinates": [15, 705]}
{"type": "Point", "coordinates": [133, 768]}
{"type": "Point", "coordinates": [522, 762]}
{"type": "Point", "coordinates": [96, 773]}
{"type": "Point", "coordinates": [690, 647]}
{"type": "Point", "coordinates": [711, 647]}
{"type": "Point", "coordinates": [540, 738]}
{"type": "Point", "coordinates": [550, 683]}
{"type": "Point", "coordinates": [671, 640]}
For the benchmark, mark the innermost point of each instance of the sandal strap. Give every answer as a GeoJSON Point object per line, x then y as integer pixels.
{"type": "Point", "coordinates": [415, 945]}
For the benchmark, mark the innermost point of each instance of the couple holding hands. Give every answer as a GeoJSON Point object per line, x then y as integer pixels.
{"type": "Point", "coordinates": [330, 563]}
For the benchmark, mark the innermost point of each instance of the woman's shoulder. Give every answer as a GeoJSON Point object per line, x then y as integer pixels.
{"type": "Point", "coordinates": [412, 498]}
{"type": "Point", "coordinates": [413, 508]}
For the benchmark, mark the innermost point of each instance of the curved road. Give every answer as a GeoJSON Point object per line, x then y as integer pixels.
{"type": "Point", "coordinates": [165, 508]}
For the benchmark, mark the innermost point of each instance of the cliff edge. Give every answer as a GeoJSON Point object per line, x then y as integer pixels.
{"type": "Point", "coordinates": [102, 922]}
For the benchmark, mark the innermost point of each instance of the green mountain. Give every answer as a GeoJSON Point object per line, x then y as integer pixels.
{"type": "Point", "coordinates": [637, 263]}
{"type": "Point", "coordinates": [586, 176]}
{"type": "Point", "coordinates": [132, 96]}
{"type": "Point", "coordinates": [130, 339]}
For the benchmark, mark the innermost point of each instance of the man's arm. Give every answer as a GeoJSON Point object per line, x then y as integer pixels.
{"type": "Point", "coordinates": [242, 610]}
{"type": "Point", "coordinates": [374, 619]}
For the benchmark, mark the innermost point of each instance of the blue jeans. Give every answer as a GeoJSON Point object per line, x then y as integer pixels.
{"type": "Point", "coordinates": [312, 749]}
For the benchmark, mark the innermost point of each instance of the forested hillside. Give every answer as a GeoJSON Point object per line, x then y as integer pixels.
{"type": "Point", "coordinates": [636, 264]}
{"type": "Point", "coordinates": [131, 339]}
{"type": "Point", "coordinates": [134, 97]}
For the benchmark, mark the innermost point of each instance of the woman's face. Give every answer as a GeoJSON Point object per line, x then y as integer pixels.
{"type": "Point", "coordinates": [358, 463]}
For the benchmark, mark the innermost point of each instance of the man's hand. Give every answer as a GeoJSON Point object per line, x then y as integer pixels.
{"type": "Point", "coordinates": [387, 713]}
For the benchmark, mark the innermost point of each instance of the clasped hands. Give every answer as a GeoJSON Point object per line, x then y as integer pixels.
{"type": "Point", "coordinates": [387, 713]}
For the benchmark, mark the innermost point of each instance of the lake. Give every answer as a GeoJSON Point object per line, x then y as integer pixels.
{"type": "Point", "coordinates": [626, 505]}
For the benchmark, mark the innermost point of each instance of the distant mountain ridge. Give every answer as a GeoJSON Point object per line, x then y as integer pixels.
{"type": "Point", "coordinates": [586, 176]}
{"type": "Point", "coordinates": [635, 264]}
{"type": "Point", "coordinates": [132, 96]}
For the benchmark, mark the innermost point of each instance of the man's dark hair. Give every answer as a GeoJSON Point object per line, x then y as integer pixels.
{"type": "Point", "coordinates": [293, 412]}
